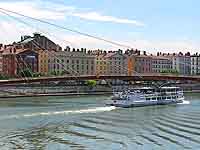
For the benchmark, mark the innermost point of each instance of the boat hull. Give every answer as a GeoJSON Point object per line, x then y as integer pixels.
{"type": "Point", "coordinates": [125, 104]}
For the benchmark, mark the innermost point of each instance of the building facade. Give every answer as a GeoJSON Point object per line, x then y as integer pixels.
{"type": "Point", "coordinates": [43, 62]}
{"type": "Point", "coordinates": [1, 61]}
{"type": "Point", "coordinates": [116, 63]}
{"type": "Point", "coordinates": [16, 61]}
{"type": "Point", "coordinates": [181, 63]}
{"type": "Point", "coordinates": [101, 64]}
{"type": "Point", "coordinates": [72, 63]}
{"type": "Point", "coordinates": [195, 64]}
{"type": "Point", "coordinates": [161, 64]}
{"type": "Point", "coordinates": [143, 64]}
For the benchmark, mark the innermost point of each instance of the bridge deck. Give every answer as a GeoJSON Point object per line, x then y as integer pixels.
{"type": "Point", "coordinates": [150, 77]}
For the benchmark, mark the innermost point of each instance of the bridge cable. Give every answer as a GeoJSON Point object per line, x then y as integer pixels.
{"type": "Point", "coordinates": [67, 29]}
{"type": "Point", "coordinates": [19, 20]}
{"type": "Point", "coordinates": [61, 27]}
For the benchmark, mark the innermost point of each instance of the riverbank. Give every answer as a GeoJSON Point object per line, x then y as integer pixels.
{"type": "Point", "coordinates": [74, 94]}
{"type": "Point", "coordinates": [57, 94]}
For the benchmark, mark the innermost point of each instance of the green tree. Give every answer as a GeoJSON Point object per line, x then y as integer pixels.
{"type": "Point", "coordinates": [3, 77]}
{"type": "Point", "coordinates": [170, 71]}
{"type": "Point", "coordinates": [91, 83]}
{"type": "Point", "coordinates": [26, 73]}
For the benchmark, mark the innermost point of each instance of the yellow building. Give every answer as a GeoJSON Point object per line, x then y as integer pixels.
{"type": "Point", "coordinates": [101, 65]}
{"type": "Point", "coordinates": [43, 62]}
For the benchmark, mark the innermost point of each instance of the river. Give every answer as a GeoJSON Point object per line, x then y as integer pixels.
{"type": "Point", "coordinates": [85, 123]}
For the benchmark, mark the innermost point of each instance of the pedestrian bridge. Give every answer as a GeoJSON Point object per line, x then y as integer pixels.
{"type": "Point", "coordinates": [142, 77]}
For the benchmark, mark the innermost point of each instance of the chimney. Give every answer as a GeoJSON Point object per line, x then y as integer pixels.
{"type": "Point", "coordinates": [67, 49]}
{"type": "Point", "coordinates": [22, 38]}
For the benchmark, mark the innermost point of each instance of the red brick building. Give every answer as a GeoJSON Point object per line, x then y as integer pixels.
{"type": "Point", "coordinates": [16, 61]}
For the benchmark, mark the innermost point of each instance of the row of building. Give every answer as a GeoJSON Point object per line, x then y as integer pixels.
{"type": "Point", "coordinates": [41, 55]}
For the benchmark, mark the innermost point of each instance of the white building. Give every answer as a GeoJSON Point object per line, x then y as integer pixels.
{"type": "Point", "coordinates": [161, 64]}
{"type": "Point", "coordinates": [181, 63]}
{"type": "Point", "coordinates": [195, 64]}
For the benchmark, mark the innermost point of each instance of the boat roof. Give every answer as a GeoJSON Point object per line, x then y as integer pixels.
{"type": "Point", "coordinates": [170, 87]}
{"type": "Point", "coordinates": [143, 88]}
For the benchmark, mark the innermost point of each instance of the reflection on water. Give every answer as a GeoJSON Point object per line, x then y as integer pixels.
{"type": "Point", "coordinates": [85, 123]}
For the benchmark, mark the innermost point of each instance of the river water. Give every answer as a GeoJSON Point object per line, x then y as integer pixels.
{"type": "Point", "coordinates": [85, 123]}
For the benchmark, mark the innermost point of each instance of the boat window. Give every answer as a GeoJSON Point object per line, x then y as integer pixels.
{"type": "Point", "coordinates": [159, 98]}
{"type": "Point", "coordinates": [148, 99]}
{"type": "Point", "coordinates": [168, 97]}
{"type": "Point", "coordinates": [163, 97]}
{"type": "Point", "coordinates": [154, 98]}
{"type": "Point", "coordinates": [174, 97]}
{"type": "Point", "coordinates": [168, 90]}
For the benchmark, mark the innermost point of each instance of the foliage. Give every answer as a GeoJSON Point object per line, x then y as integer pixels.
{"type": "Point", "coordinates": [37, 74]}
{"type": "Point", "coordinates": [91, 83]}
{"type": "Point", "coordinates": [26, 73]}
{"type": "Point", "coordinates": [170, 71]}
{"type": "Point", "coordinates": [29, 73]}
{"type": "Point", "coordinates": [3, 77]}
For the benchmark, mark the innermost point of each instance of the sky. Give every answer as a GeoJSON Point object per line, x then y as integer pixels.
{"type": "Point", "coordinates": [156, 25]}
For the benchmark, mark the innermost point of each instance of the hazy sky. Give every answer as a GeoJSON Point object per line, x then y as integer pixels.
{"type": "Point", "coordinates": [152, 25]}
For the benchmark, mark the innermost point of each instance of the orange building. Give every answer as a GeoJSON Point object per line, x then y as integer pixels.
{"type": "Point", "coordinates": [131, 65]}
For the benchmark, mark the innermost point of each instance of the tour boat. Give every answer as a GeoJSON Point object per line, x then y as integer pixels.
{"type": "Point", "coordinates": [147, 96]}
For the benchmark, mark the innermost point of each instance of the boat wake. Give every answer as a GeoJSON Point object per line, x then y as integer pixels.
{"type": "Point", "coordinates": [89, 110]}
{"type": "Point", "coordinates": [184, 103]}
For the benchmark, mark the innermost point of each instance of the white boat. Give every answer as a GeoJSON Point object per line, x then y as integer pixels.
{"type": "Point", "coordinates": [147, 96]}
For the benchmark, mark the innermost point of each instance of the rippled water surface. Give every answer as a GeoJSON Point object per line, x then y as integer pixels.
{"type": "Point", "coordinates": [82, 123]}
